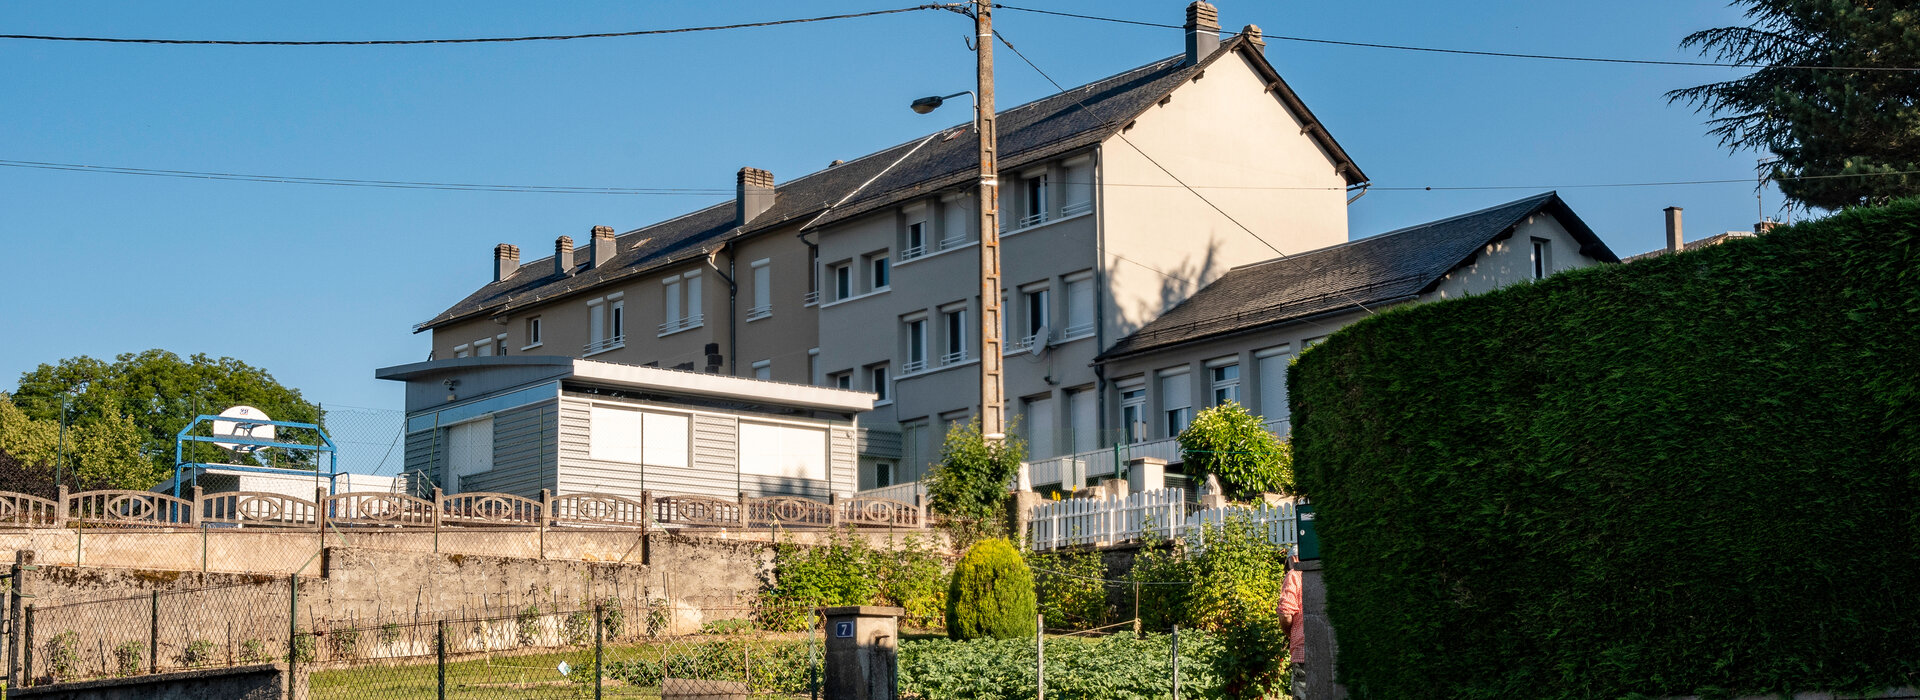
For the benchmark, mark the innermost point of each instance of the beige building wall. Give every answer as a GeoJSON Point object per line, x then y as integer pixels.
{"type": "Point", "coordinates": [783, 336]}
{"type": "Point", "coordinates": [1510, 260]}
{"type": "Point", "coordinates": [1235, 142]}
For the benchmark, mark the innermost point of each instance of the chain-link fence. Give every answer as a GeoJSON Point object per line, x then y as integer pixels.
{"type": "Point", "coordinates": [592, 648]}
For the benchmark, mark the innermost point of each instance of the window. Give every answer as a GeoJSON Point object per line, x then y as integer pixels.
{"type": "Point", "coordinates": [1040, 428]}
{"type": "Point", "coordinates": [1083, 420]}
{"type": "Point", "coordinates": [1272, 364]}
{"type": "Point", "coordinates": [879, 275]}
{"type": "Point", "coordinates": [638, 437]}
{"type": "Point", "coordinates": [882, 474]}
{"type": "Point", "coordinates": [1034, 202]}
{"type": "Point", "coordinates": [683, 308]}
{"type": "Point", "coordinates": [462, 350]}
{"type": "Point", "coordinates": [606, 323]}
{"type": "Point", "coordinates": [956, 221]}
{"type": "Point", "coordinates": [763, 369]}
{"type": "Point", "coordinates": [1037, 306]}
{"type": "Point", "coordinates": [1176, 401]}
{"type": "Point", "coordinates": [533, 333]}
{"type": "Point", "coordinates": [956, 347]}
{"type": "Point", "coordinates": [500, 344]}
{"type": "Point", "coordinates": [813, 366]}
{"type": "Point", "coordinates": [762, 290]}
{"type": "Point", "coordinates": [1077, 187]}
{"type": "Point", "coordinates": [842, 380]}
{"type": "Point", "coordinates": [916, 242]}
{"type": "Point", "coordinates": [877, 382]}
{"type": "Point", "coordinates": [842, 275]}
{"type": "Point", "coordinates": [1540, 263]}
{"type": "Point", "coordinates": [1079, 306]}
{"type": "Point", "coordinates": [483, 347]}
{"type": "Point", "coordinates": [1133, 411]}
{"type": "Point", "coordinates": [783, 451]}
{"type": "Point", "coordinates": [916, 346]}
{"type": "Point", "coordinates": [1226, 383]}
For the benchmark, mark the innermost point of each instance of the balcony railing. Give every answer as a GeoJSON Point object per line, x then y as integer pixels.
{"type": "Point", "coordinates": [953, 358]}
{"type": "Point", "coordinates": [912, 366]}
{"type": "Point", "coordinates": [759, 312]}
{"type": "Point", "coordinates": [675, 325]}
{"type": "Point", "coordinates": [607, 343]}
{"type": "Point", "coordinates": [1025, 343]}
{"type": "Point", "coordinates": [1076, 208]}
{"type": "Point", "coordinates": [953, 242]}
{"type": "Point", "coordinates": [811, 298]}
{"type": "Point", "coordinates": [913, 252]}
{"type": "Point", "coordinates": [1031, 220]}
{"type": "Point", "coordinates": [1078, 329]}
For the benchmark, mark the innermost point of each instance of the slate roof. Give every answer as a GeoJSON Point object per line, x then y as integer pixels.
{"type": "Point", "coordinates": [1042, 129]}
{"type": "Point", "coordinates": [1377, 269]}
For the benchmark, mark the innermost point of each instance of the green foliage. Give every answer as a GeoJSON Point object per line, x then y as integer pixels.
{"type": "Point", "coordinates": [991, 594]}
{"type": "Point", "coordinates": [343, 643]}
{"type": "Point", "coordinates": [253, 651]}
{"type": "Point", "coordinates": [1230, 443]}
{"type": "Point", "coordinates": [306, 648]}
{"type": "Point", "coordinates": [100, 453]}
{"type": "Point", "coordinates": [780, 667]}
{"type": "Point", "coordinates": [613, 618]}
{"type": "Point", "coordinates": [1690, 472]}
{"type": "Point", "coordinates": [972, 477]}
{"type": "Point", "coordinates": [729, 626]}
{"type": "Point", "coordinates": [1820, 123]}
{"type": "Point", "coordinates": [847, 571]}
{"type": "Point", "coordinates": [1251, 658]}
{"type": "Point", "coordinates": [1236, 575]}
{"type": "Point", "coordinates": [198, 652]}
{"type": "Point", "coordinates": [578, 627]}
{"type": "Point", "coordinates": [526, 625]}
{"type": "Point", "coordinates": [63, 654]}
{"type": "Point", "coordinates": [127, 657]}
{"type": "Point", "coordinates": [139, 402]}
{"type": "Point", "coordinates": [1068, 590]}
{"type": "Point", "coordinates": [1078, 668]}
{"type": "Point", "coordinates": [390, 632]}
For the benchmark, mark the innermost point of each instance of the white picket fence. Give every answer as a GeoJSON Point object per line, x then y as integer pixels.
{"type": "Point", "coordinates": [1096, 521]}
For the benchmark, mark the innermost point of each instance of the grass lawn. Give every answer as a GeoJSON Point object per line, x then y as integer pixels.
{"type": "Point", "coordinates": [496, 676]}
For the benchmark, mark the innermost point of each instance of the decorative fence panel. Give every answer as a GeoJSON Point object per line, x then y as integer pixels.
{"type": "Point", "coordinates": [373, 508]}
{"type": "Point", "coordinates": [697, 511]}
{"type": "Point", "coordinates": [882, 512]}
{"type": "Point", "coordinates": [257, 509]}
{"type": "Point", "coordinates": [784, 511]}
{"type": "Point", "coordinates": [481, 508]}
{"type": "Point", "coordinates": [22, 510]}
{"type": "Point", "coordinates": [596, 510]}
{"type": "Point", "coordinates": [119, 508]}
{"type": "Point", "coordinates": [1100, 521]}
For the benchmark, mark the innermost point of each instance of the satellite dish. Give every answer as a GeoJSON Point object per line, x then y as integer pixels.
{"type": "Point", "coordinates": [245, 422]}
{"type": "Point", "coordinates": [1040, 339]}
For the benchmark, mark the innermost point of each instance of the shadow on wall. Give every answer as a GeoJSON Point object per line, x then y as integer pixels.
{"type": "Point", "coordinates": [1176, 283]}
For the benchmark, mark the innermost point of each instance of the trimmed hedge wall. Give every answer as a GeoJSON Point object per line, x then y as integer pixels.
{"type": "Point", "coordinates": [1697, 473]}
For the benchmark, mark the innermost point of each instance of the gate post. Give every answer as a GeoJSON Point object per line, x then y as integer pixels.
{"type": "Point", "coordinates": [17, 632]}
{"type": "Point", "coordinates": [863, 644]}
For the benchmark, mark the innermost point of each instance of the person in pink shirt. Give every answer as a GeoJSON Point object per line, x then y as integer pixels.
{"type": "Point", "coordinates": [1290, 616]}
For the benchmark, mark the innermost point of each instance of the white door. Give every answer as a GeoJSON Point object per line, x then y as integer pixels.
{"type": "Point", "coordinates": [469, 451]}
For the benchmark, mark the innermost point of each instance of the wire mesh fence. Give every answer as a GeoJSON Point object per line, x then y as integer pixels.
{"type": "Point", "coordinates": [613, 647]}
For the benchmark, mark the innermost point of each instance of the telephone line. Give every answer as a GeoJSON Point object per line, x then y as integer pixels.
{"type": "Point", "coordinates": [1469, 52]}
{"type": "Point", "coordinates": [477, 40]}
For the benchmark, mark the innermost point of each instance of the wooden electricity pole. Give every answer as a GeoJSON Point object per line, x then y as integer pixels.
{"type": "Point", "coordinates": [993, 403]}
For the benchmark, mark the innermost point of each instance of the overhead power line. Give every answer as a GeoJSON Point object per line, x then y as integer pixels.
{"type": "Point", "coordinates": [477, 40]}
{"type": "Point", "coordinates": [1472, 52]}
{"type": "Point", "coordinates": [344, 182]}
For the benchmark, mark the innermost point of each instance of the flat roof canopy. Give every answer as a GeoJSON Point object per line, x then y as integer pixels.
{"type": "Point", "coordinates": [653, 379]}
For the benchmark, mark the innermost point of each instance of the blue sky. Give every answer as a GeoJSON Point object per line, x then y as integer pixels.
{"type": "Point", "coordinates": [321, 285]}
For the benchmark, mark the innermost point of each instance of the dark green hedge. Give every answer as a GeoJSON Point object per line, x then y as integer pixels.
{"type": "Point", "coordinates": [1694, 473]}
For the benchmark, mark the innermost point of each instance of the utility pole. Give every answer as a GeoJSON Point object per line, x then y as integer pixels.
{"type": "Point", "coordinates": [59, 470]}
{"type": "Point", "coordinates": [993, 404]}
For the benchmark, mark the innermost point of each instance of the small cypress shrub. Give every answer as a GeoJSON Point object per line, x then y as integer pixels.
{"type": "Point", "coordinates": [991, 594]}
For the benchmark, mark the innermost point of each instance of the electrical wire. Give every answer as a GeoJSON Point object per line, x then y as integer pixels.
{"type": "Point", "coordinates": [1472, 52]}
{"type": "Point", "coordinates": [479, 40]}
{"type": "Point", "coordinates": [347, 182]}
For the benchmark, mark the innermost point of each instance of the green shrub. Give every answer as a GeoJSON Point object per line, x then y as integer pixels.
{"type": "Point", "coordinates": [343, 643]}
{"type": "Point", "coordinates": [991, 594]}
{"type": "Point", "coordinates": [803, 578]}
{"type": "Point", "coordinates": [63, 654]}
{"type": "Point", "coordinates": [526, 624]}
{"type": "Point", "coordinates": [306, 648]}
{"type": "Point", "coordinates": [253, 651]}
{"type": "Point", "coordinates": [198, 652]}
{"type": "Point", "coordinates": [729, 626]}
{"type": "Point", "coordinates": [971, 479]}
{"type": "Point", "coordinates": [1687, 473]}
{"type": "Point", "coordinates": [1068, 589]}
{"type": "Point", "coordinates": [913, 576]}
{"type": "Point", "coordinates": [127, 657]}
{"type": "Point", "coordinates": [578, 627]}
{"type": "Point", "coordinates": [389, 633]}
{"type": "Point", "coordinates": [1234, 570]}
{"type": "Point", "coordinates": [1118, 667]}
{"type": "Point", "coordinates": [1234, 445]}
{"type": "Point", "coordinates": [771, 668]}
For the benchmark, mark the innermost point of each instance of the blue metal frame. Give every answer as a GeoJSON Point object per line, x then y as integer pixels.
{"type": "Point", "coordinates": [326, 446]}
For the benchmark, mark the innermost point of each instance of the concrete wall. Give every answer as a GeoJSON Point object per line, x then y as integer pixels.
{"type": "Point", "coordinates": [1229, 138]}
{"type": "Point", "coordinates": [257, 682]}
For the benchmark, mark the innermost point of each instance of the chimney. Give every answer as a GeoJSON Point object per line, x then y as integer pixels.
{"type": "Point", "coordinates": [1765, 225]}
{"type": "Point", "coordinates": [1203, 31]}
{"type": "Point", "coordinates": [1252, 33]}
{"type": "Point", "coordinates": [604, 246]}
{"type": "Point", "coordinates": [753, 195]}
{"type": "Point", "coordinates": [563, 255]}
{"type": "Point", "coordinates": [506, 261]}
{"type": "Point", "coordinates": [1675, 243]}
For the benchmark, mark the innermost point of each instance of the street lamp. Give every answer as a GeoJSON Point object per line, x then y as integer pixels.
{"type": "Point", "coordinates": [993, 403]}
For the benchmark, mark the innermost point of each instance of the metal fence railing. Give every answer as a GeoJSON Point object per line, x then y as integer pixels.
{"type": "Point", "coordinates": [1162, 513]}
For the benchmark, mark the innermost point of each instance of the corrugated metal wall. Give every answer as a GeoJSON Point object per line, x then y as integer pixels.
{"type": "Point", "coordinates": [524, 452]}
{"type": "Point", "coordinates": [426, 453]}
{"type": "Point", "coordinates": [715, 466]}
{"type": "Point", "coordinates": [842, 464]}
